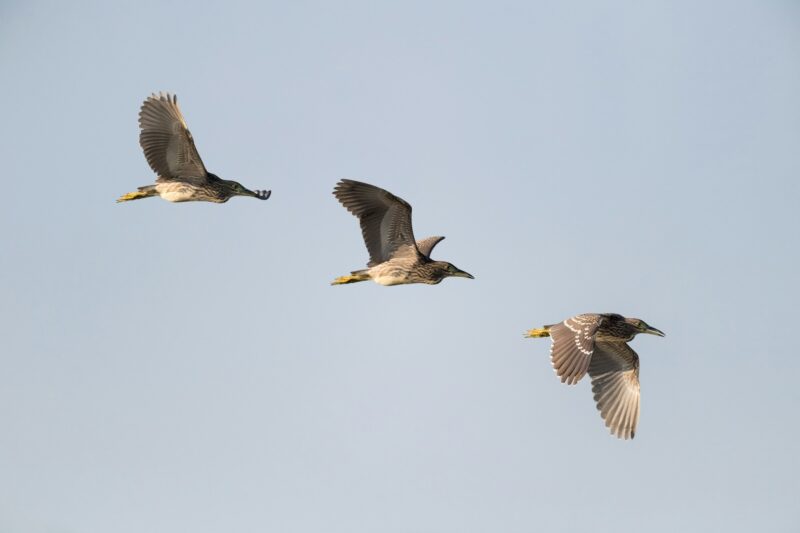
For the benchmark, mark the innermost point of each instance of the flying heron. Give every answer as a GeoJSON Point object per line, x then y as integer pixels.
{"type": "Point", "coordinates": [598, 343]}
{"type": "Point", "coordinates": [170, 151]}
{"type": "Point", "coordinates": [395, 258]}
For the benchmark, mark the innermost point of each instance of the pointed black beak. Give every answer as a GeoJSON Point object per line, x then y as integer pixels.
{"type": "Point", "coordinates": [653, 331]}
{"type": "Point", "coordinates": [261, 195]}
{"type": "Point", "coordinates": [462, 274]}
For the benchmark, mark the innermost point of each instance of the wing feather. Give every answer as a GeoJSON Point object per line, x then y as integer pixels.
{"type": "Point", "coordinates": [426, 246]}
{"type": "Point", "coordinates": [614, 369]}
{"type": "Point", "coordinates": [573, 345]}
{"type": "Point", "coordinates": [167, 143]}
{"type": "Point", "coordinates": [385, 219]}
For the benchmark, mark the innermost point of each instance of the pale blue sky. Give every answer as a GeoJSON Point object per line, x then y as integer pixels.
{"type": "Point", "coordinates": [188, 368]}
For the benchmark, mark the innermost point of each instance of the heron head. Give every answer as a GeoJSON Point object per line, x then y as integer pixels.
{"type": "Point", "coordinates": [450, 270]}
{"type": "Point", "coordinates": [239, 190]}
{"type": "Point", "coordinates": [640, 326]}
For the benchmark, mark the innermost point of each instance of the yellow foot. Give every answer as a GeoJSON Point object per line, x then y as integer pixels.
{"type": "Point", "coordinates": [132, 196]}
{"type": "Point", "coordinates": [540, 332]}
{"type": "Point", "coordinates": [352, 278]}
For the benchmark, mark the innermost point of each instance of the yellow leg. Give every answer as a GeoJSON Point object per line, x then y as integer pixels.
{"type": "Point", "coordinates": [130, 196]}
{"type": "Point", "coordinates": [352, 278]}
{"type": "Point", "coordinates": [143, 192]}
{"type": "Point", "coordinates": [539, 332]}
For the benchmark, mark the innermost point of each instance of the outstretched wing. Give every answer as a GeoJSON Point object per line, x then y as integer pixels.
{"type": "Point", "coordinates": [573, 344]}
{"type": "Point", "coordinates": [425, 246]}
{"type": "Point", "coordinates": [385, 219]}
{"type": "Point", "coordinates": [615, 383]}
{"type": "Point", "coordinates": [167, 143]}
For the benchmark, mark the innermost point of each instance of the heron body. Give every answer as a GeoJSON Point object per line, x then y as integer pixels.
{"type": "Point", "coordinates": [400, 272]}
{"type": "Point", "coordinates": [395, 257]}
{"type": "Point", "coordinates": [170, 151]}
{"type": "Point", "coordinates": [597, 344]}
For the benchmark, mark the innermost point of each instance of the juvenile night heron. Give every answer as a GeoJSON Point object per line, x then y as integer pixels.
{"type": "Point", "coordinates": [598, 343]}
{"type": "Point", "coordinates": [395, 258]}
{"type": "Point", "coordinates": [170, 151]}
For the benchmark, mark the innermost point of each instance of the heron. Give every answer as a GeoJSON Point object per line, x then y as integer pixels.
{"type": "Point", "coordinates": [395, 257]}
{"type": "Point", "coordinates": [170, 151]}
{"type": "Point", "coordinates": [597, 343]}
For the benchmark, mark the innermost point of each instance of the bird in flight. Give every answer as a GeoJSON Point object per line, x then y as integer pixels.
{"type": "Point", "coordinates": [170, 151]}
{"type": "Point", "coordinates": [598, 344]}
{"type": "Point", "coordinates": [395, 258]}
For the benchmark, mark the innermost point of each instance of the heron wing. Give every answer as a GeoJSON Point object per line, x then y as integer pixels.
{"type": "Point", "coordinates": [167, 143]}
{"type": "Point", "coordinates": [615, 383]}
{"type": "Point", "coordinates": [573, 344]}
{"type": "Point", "coordinates": [385, 220]}
{"type": "Point", "coordinates": [425, 246]}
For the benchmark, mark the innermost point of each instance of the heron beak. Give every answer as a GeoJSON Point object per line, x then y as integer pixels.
{"type": "Point", "coordinates": [462, 274]}
{"type": "Point", "coordinates": [653, 331]}
{"type": "Point", "coordinates": [261, 195]}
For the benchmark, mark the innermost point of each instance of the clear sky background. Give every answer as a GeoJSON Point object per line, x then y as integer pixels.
{"type": "Point", "coordinates": [189, 368]}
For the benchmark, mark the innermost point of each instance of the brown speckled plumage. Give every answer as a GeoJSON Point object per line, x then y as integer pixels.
{"type": "Point", "coordinates": [598, 344]}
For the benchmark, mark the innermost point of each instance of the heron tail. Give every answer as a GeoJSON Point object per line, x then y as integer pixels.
{"type": "Point", "coordinates": [354, 277]}
{"type": "Point", "coordinates": [539, 332]}
{"type": "Point", "coordinates": [142, 192]}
